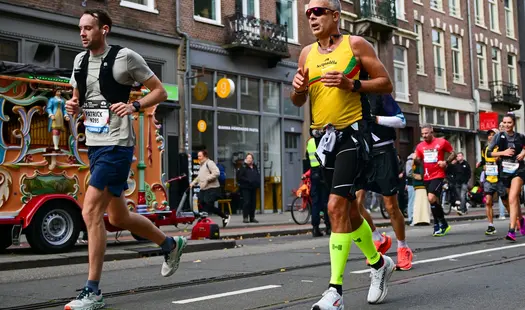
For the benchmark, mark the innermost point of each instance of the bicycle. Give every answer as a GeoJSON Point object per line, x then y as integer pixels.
{"type": "Point", "coordinates": [302, 204]}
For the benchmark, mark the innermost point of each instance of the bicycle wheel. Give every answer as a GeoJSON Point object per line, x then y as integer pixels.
{"type": "Point", "coordinates": [301, 210]}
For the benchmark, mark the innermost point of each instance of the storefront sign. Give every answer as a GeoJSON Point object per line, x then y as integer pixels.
{"type": "Point", "coordinates": [200, 92]}
{"type": "Point", "coordinates": [172, 90]}
{"type": "Point", "coordinates": [201, 125]}
{"type": "Point", "coordinates": [225, 88]}
{"type": "Point", "coordinates": [488, 120]}
{"type": "Point", "coordinates": [238, 128]}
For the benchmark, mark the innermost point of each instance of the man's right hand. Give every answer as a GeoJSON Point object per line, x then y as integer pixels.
{"type": "Point", "coordinates": [72, 106]}
{"type": "Point", "coordinates": [300, 80]}
{"type": "Point", "coordinates": [508, 152]}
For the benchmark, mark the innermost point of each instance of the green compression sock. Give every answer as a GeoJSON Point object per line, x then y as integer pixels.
{"type": "Point", "coordinates": [339, 250]}
{"type": "Point", "coordinates": [363, 239]}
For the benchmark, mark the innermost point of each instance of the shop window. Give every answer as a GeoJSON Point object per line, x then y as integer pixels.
{"type": "Point", "coordinates": [451, 118]}
{"type": "Point", "coordinates": [271, 97]}
{"type": "Point", "coordinates": [156, 68]}
{"type": "Point", "coordinates": [440, 113]}
{"type": "Point", "coordinates": [289, 107]}
{"type": "Point", "coordinates": [66, 58]}
{"type": "Point", "coordinates": [39, 53]}
{"type": "Point", "coordinates": [230, 103]}
{"type": "Point", "coordinates": [202, 131]}
{"type": "Point", "coordinates": [271, 163]}
{"type": "Point", "coordinates": [463, 119]}
{"type": "Point", "coordinates": [239, 135]}
{"type": "Point", "coordinates": [249, 94]}
{"type": "Point", "coordinates": [202, 87]}
{"type": "Point", "coordinates": [8, 50]}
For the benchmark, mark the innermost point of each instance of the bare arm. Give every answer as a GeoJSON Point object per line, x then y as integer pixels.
{"type": "Point", "coordinates": [157, 93]}
{"type": "Point", "coordinates": [365, 54]}
{"type": "Point", "coordinates": [299, 97]}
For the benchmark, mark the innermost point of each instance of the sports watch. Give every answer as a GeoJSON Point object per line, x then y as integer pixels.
{"type": "Point", "coordinates": [357, 85]}
{"type": "Point", "coordinates": [136, 105]}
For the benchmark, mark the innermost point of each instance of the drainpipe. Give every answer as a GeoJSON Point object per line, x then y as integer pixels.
{"type": "Point", "coordinates": [475, 92]}
{"type": "Point", "coordinates": [521, 38]}
{"type": "Point", "coordinates": [186, 90]}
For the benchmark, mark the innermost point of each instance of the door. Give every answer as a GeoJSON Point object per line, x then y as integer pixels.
{"type": "Point", "coordinates": [292, 166]}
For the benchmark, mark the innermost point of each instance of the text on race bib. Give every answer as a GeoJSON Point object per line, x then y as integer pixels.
{"type": "Point", "coordinates": [430, 156]}
{"type": "Point", "coordinates": [491, 170]}
{"type": "Point", "coordinates": [509, 167]}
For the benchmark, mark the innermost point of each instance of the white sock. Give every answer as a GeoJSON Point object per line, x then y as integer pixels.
{"type": "Point", "coordinates": [402, 244]}
{"type": "Point", "coordinates": [376, 235]}
{"type": "Point", "coordinates": [490, 224]}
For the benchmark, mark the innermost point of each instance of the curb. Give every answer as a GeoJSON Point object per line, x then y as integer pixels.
{"type": "Point", "coordinates": [137, 252]}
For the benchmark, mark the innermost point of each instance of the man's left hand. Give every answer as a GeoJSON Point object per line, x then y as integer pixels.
{"type": "Point", "coordinates": [337, 79]}
{"type": "Point", "coordinates": [122, 109]}
{"type": "Point", "coordinates": [520, 156]}
{"type": "Point", "coordinates": [442, 163]}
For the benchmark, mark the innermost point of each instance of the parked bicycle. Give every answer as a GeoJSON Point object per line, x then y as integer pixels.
{"type": "Point", "coordinates": [302, 204]}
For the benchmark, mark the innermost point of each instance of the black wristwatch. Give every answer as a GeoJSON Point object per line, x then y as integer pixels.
{"type": "Point", "coordinates": [357, 85]}
{"type": "Point", "coordinates": [136, 105]}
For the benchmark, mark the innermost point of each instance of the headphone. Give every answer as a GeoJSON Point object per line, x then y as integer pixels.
{"type": "Point", "coordinates": [103, 31]}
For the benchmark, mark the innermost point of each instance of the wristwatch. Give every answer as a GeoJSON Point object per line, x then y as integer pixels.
{"type": "Point", "coordinates": [357, 85]}
{"type": "Point", "coordinates": [136, 105]}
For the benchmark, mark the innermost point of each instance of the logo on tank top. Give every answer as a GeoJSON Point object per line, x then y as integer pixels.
{"type": "Point", "coordinates": [327, 62]}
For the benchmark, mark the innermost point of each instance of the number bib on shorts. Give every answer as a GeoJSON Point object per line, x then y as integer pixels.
{"type": "Point", "coordinates": [96, 113]}
{"type": "Point", "coordinates": [510, 167]}
{"type": "Point", "coordinates": [491, 170]}
{"type": "Point", "coordinates": [430, 156]}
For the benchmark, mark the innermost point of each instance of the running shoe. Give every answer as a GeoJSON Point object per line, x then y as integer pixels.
{"type": "Point", "coordinates": [491, 230]}
{"type": "Point", "coordinates": [86, 300]}
{"type": "Point", "coordinates": [436, 229]}
{"type": "Point", "coordinates": [384, 245]}
{"type": "Point", "coordinates": [404, 259]}
{"type": "Point", "coordinates": [172, 259]}
{"type": "Point", "coordinates": [378, 286]}
{"type": "Point", "coordinates": [226, 221]}
{"type": "Point", "coordinates": [442, 231]}
{"type": "Point", "coordinates": [511, 236]}
{"type": "Point", "coordinates": [331, 300]}
{"type": "Point", "coordinates": [522, 226]}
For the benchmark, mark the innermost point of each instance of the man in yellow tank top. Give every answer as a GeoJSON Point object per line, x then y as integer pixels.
{"type": "Point", "coordinates": [335, 73]}
{"type": "Point", "coordinates": [492, 183]}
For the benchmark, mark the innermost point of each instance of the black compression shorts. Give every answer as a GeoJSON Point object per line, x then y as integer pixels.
{"type": "Point", "coordinates": [382, 173]}
{"type": "Point", "coordinates": [434, 186]}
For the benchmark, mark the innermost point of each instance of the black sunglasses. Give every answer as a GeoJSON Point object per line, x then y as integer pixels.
{"type": "Point", "coordinates": [317, 11]}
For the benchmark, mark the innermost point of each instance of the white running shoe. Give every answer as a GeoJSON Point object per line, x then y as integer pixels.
{"type": "Point", "coordinates": [331, 301]}
{"type": "Point", "coordinates": [172, 259]}
{"type": "Point", "coordinates": [86, 300]}
{"type": "Point", "coordinates": [380, 277]}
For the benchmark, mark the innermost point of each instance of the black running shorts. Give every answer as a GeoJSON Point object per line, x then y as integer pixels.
{"type": "Point", "coordinates": [382, 173]}
{"type": "Point", "coordinates": [434, 186]}
{"type": "Point", "coordinates": [344, 166]}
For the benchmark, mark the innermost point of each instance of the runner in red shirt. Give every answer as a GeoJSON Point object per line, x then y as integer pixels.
{"type": "Point", "coordinates": [432, 152]}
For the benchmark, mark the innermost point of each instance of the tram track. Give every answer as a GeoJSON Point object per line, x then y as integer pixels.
{"type": "Point", "coordinates": [238, 276]}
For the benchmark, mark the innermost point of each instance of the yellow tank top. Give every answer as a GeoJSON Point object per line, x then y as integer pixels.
{"type": "Point", "coordinates": [491, 162]}
{"type": "Point", "coordinates": [332, 105]}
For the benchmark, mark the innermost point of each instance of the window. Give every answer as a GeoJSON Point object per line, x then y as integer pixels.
{"type": "Point", "coordinates": [479, 12]}
{"type": "Point", "coordinates": [454, 8]}
{"type": "Point", "coordinates": [289, 107]}
{"type": "Point", "coordinates": [511, 62]}
{"type": "Point", "coordinates": [143, 5]}
{"type": "Point", "coordinates": [440, 113]}
{"type": "Point", "coordinates": [286, 13]}
{"type": "Point", "coordinates": [249, 7]}
{"type": "Point", "coordinates": [429, 115]}
{"type": "Point", "coordinates": [457, 58]}
{"type": "Point", "coordinates": [481, 51]}
{"type": "Point", "coordinates": [271, 97]}
{"type": "Point", "coordinates": [420, 59]}
{"type": "Point", "coordinates": [436, 5]}
{"type": "Point", "coordinates": [207, 11]}
{"type": "Point", "coordinates": [496, 64]}
{"type": "Point", "coordinates": [346, 24]}
{"type": "Point", "coordinates": [400, 9]}
{"type": "Point", "coordinates": [401, 73]}
{"type": "Point", "coordinates": [66, 58]}
{"type": "Point", "coordinates": [462, 119]}
{"type": "Point", "coordinates": [156, 68]}
{"type": "Point", "coordinates": [509, 18]}
{"type": "Point", "coordinates": [451, 118]}
{"type": "Point", "coordinates": [249, 94]}
{"type": "Point", "coordinates": [493, 15]}
{"type": "Point", "coordinates": [231, 102]}
{"type": "Point", "coordinates": [202, 87]}
{"type": "Point", "coordinates": [439, 59]}
{"type": "Point", "coordinates": [8, 50]}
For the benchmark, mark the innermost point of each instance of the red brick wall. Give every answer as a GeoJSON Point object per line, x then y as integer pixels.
{"type": "Point", "coordinates": [163, 23]}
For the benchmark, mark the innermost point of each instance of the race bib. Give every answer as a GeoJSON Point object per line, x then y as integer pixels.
{"type": "Point", "coordinates": [96, 116]}
{"type": "Point", "coordinates": [491, 170]}
{"type": "Point", "coordinates": [509, 167]}
{"type": "Point", "coordinates": [430, 156]}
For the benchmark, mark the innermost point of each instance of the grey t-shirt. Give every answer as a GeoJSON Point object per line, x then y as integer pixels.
{"type": "Point", "coordinates": [129, 68]}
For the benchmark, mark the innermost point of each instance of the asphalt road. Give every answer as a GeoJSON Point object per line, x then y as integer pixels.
{"type": "Point", "coordinates": [464, 270]}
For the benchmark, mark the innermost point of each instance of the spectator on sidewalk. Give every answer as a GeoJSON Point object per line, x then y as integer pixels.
{"type": "Point", "coordinates": [249, 180]}
{"type": "Point", "coordinates": [318, 191]}
{"type": "Point", "coordinates": [461, 170]}
{"type": "Point", "coordinates": [421, 204]}
{"type": "Point", "coordinates": [210, 191]}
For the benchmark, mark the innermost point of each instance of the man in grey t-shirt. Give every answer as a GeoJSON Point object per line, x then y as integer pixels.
{"type": "Point", "coordinates": [101, 82]}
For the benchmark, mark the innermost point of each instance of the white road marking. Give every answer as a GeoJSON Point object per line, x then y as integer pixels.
{"type": "Point", "coordinates": [249, 290]}
{"type": "Point", "coordinates": [307, 281]}
{"type": "Point", "coordinates": [431, 260]}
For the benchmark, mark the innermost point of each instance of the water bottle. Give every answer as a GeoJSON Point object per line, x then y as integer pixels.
{"type": "Point", "coordinates": [195, 203]}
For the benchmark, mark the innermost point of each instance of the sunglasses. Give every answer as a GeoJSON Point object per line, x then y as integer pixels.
{"type": "Point", "coordinates": [317, 11]}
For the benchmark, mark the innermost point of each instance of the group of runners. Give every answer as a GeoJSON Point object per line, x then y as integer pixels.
{"type": "Point", "coordinates": [353, 122]}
